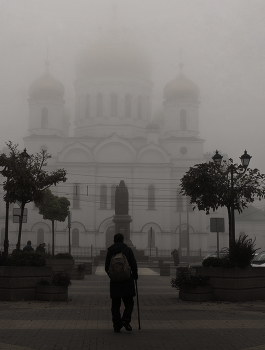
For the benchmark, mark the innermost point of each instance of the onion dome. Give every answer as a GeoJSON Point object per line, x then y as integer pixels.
{"type": "Point", "coordinates": [46, 86]}
{"type": "Point", "coordinates": [181, 87]}
{"type": "Point", "coordinates": [152, 126]}
{"type": "Point", "coordinates": [113, 54]}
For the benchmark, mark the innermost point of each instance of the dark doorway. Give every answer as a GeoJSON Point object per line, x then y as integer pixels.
{"type": "Point", "coordinates": [109, 236]}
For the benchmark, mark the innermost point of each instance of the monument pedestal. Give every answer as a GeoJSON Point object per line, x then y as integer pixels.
{"type": "Point", "coordinates": [122, 225]}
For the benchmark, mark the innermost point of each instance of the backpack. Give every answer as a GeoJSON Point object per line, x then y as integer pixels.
{"type": "Point", "coordinates": [119, 268]}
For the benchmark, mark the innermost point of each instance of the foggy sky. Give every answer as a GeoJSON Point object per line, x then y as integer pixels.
{"type": "Point", "coordinates": [223, 50]}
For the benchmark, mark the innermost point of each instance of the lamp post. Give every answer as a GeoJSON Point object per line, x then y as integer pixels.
{"type": "Point", "coordinates": [232, 169]}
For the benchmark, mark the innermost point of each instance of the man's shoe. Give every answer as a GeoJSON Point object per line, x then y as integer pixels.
{"type": "Point", "coordinates": [117, 328]}
{"type": "Point", "coordinates": [127, 326]}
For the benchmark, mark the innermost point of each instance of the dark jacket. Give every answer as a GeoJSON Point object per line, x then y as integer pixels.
{"type": "Point", "coordinates": [122, 288]}
{"type": "Point", "coordinates": [27, 248]}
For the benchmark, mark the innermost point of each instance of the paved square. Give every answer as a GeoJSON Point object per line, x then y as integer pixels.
{"type": "Point", "coordinates": [167, 323]}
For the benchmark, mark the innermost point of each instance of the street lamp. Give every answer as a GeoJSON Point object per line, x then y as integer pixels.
{"type": "Point", "coordinates": [231, 169]}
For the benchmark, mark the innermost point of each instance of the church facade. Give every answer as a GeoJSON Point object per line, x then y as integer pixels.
{"type": "Point", "coordinates": [116, 138]}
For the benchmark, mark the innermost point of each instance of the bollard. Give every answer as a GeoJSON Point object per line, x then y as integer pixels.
{"type": "Point", "coordinates": [96, 261]}
{"type": "Point", "coordinates": [165, 270]}
{"type": "Point", "coordinates": [160, 262]}
{"type": "Point", "coordinates": [88, 268]}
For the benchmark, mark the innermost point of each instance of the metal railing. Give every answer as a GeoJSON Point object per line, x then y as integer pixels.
{"type": "Point", "coordinates": [89, 252]}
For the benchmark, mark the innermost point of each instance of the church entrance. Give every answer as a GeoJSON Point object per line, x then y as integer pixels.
{"type": "Point", "coordinates": [109, 236]}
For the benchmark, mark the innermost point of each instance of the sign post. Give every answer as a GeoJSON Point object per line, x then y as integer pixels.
{"type": "Point", "coordinates": [69, 228]}
{"type": "Point", "coordinates": [217, 225]}
{"type": "Point", "coordinates": [151, 233]}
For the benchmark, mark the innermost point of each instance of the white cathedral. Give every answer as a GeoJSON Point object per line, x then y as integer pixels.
{"type": "Point", "coordinates": [116, 138]}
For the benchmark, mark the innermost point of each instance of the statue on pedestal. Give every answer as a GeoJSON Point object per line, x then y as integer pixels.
{"type": "Point", "coordinates": [122, 219]}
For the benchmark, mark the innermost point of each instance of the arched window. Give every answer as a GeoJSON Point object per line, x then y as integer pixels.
{"type": "Point", "coordinates": [110, 236]}
{"type": "Point", "coordinates": [151, 238]}
{"type": "Point", "coordinates": [112, 203]}
{"type": "Point", "coordinates": [183, 120]}
{"type": "Point", "coordinates": [103, 197]}
{"type": "Point", "coordinates": [179, 201]}
{"type": "Point", "coordinates": [183, 239]}
{"type": "Point", "coordinates": [75, 237]}
{"type": "Point", "coordinates": [113, 105]}
{"type": "Point", "coordinates": [87, 106]}
{"type": "Point", "coordinates": [44, 118]}
{"type": "Point", "coordinates": [151, 197]}
{"type": "Point", "coordinates": [99, 105]}
{"type": "Point", "coordinates": [40, 236]}
{"type": "Point", "coordinates": [148, 107]}
{"type": "Point", "coordinates": [139, 107]}
{"type": "Point", "coordinates": [76, 196]}
{"type": "Point", "coordinates": [128, 106]}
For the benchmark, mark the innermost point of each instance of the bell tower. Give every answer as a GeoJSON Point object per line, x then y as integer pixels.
{"type": "Point", "coordinates": [181, 107]}
{"type": "Point", "coordinates": [46, 105]}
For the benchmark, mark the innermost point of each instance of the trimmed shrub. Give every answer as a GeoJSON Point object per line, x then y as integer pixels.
{"type": "Point", "coordinates": [25, 259]}
{"type": "Point", "coordinates": [63, 256]}
{"type": "Point", "coordinates": [61, 279]}
{"type": "Point", "coordinates": [185, 278]}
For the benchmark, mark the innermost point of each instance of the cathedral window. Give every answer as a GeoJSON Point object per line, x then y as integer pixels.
{"type": "Point", "coordinates": [40, 236]}
{"type": "Point", "coordinates": [148, 107]}
{"type": "Point", "coordinates": [44, 118]}
{"type": "Point", "coordinates": [103, 197]}
{"type": "Point", "coordinates": [183, 120]}
{"type": "Point", "coordinates": [128, 106]}
{"type": "Point", "coordinates": [179, 201]}
{"type": "Point", "coordinates": [99, 106]}
{"type": "Point", "coordinates": [87, 106]}
{"type": "Point", "coordinates": [75, 237]}
{"type": "Point", "coordinates": [139, 107]}
{"type": "Point", "coordinates": [151, 197]}
{"type": "Point", "coordinates": [76, 196]}
{"type": "Point", "coordinates": [113, 105]}
{"type": "Point", "coordinates": [151, 238]}
{"type": "Point", "coordinates": [113, 189]}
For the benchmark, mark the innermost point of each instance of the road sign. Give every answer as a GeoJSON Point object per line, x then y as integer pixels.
{"type": "Point", "coordinates": [17, 213]}
{"type": "Point", "coordinates": [69, 219]}
{"type": "Point", "coordinates": [217, 225]}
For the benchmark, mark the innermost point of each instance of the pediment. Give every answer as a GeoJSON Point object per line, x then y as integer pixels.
{"type": "Point", "coordinates": [152, 153]}
{"type": "Point", "coordinates": [114, 150]}
{"type": "Point", "coordinates": [76, 153]}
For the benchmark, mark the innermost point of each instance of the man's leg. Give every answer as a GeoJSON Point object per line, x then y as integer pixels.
{"type": "Point", "coordinates": [116, 315]}
{"type": "Point", "coordinates": [127, 314]}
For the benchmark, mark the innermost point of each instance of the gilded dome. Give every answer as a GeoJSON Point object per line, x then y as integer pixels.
{"type": "Point", "coordinates": [114, 54]}
{"type": "Point", "coordinates": [181, 87]}
{"type": "Point", "coordinates": [46, 86]}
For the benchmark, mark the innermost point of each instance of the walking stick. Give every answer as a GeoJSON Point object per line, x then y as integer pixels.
{"type": "Point", "coordinates": [137, 304]}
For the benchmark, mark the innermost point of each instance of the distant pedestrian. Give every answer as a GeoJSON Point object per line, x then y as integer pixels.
{"type": "Point", "coordinates": [123, 289]}
{"type": "Point", "coordinates": [28, 247]}
{"type": "Point", "coordinates": [175, 255]}
{"type": "Point", "coordinates": [41, 248]}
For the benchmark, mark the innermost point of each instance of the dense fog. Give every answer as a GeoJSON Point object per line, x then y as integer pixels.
{"type": "Point", "coordinates": [221, 43]}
